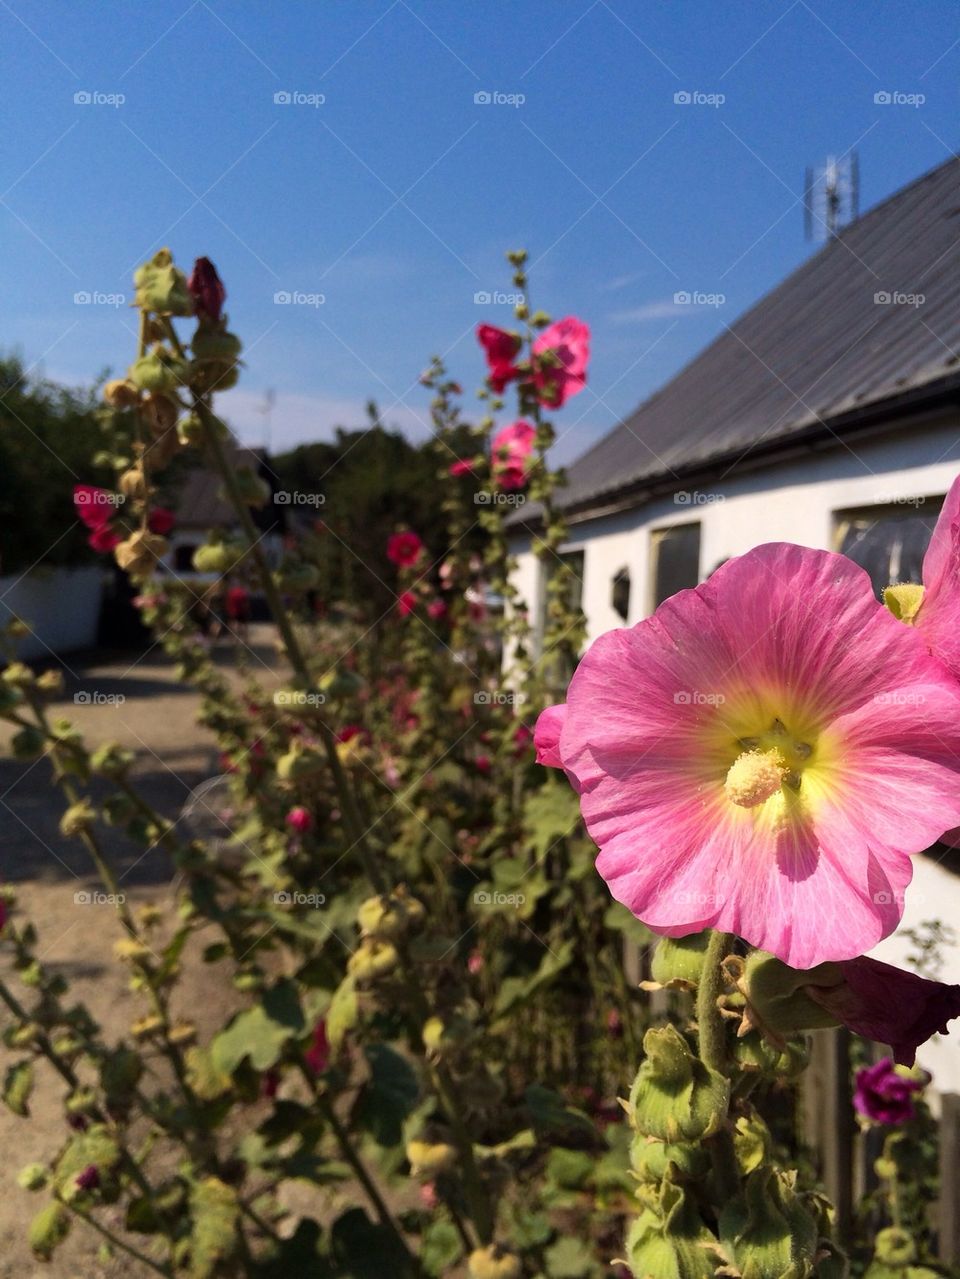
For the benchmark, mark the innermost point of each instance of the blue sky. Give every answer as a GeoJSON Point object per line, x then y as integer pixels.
{"type": "Point", "coordinates": [395, 198]}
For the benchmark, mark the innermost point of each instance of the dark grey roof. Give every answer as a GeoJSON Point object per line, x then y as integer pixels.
{"type": "Point", "coordinates": [811, 355]}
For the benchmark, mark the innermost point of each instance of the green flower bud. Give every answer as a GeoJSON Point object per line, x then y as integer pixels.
{"type": "Point", "coordinates": [254, 490]}
{"type": "Point", "coordinates": [217, 345]}
{"type": "Point", "coordinates": [650, 1159]}
{"type": "Point", "coordinates": [161, 287]}
{"type": "Point", "coordinates": [389, 916]}
{"type": "Point", "coordinates": [300, 762]}
{"type": "Point", "coordinates": [752, 1142]}
{"type": "Point", "coordinates": [111, 759]}
{"type": "Point", "coordinates": [669, 1241]}
{"type": "Point", "coordinates": [675, 1097]}
{"type": "Point", "coordinates": [494, 1262]}
{"type": "Point", "coordinates": [159, 370]}
{"type": "Point", "coordinates": [372, 960]}
{"type": "Point", "coordinates": [441, 1034]}
{"type": "Point", "coordinates": [216, 557]}
{"type": "Point", "coordinates": [190, 430]}
{"type": "Point", "coordinates": [32, 1177]}
{"type": "Point", "coordinates": [679, 959]}
{"type": "Point", "coordinates": [48, 1230]}
{"type": "Point", "coordinates": [19, 675]}
{"type": "Point", "coordinates": [77, 819]}
{"type": "Point", "coordinates": [51, 683]}
{"type": "Point", "coordinates": [299, 578]}
{"type": "Point", "coordinates": [429, 1158]}
{"type": "Point", "coordinates": [768, 1231]}
{"type": "Point", "coordinates": [776, 997]}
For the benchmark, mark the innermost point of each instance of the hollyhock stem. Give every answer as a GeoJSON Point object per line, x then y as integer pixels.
{"type": "Point", "coordinates": [712, 1033]}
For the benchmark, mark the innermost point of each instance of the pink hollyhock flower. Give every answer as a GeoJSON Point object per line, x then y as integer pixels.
{"type": "Point", "coordinates": [103, 539]}
{"type": "Point", "coordinates": [561, 353]}
{"type": "Point", "coordinates": [482, 764]}
{"type": "Point", "coordinates": [522, 737]}
{"type": "Point", "coordinates": [763, 755]}
{"type": "Point", "coordinates": [428, 1195]}
{"type": "Point", "coordinates": [299, 819]}
{"type": "Point", "coordinates": [160, 521]}
{"type": "Point", "coordinates": [403, 549]}
{"type": "Point", "coordinates": [884, 1094]}
{"type": "Point", "coordinates": [317, 1055]}
{"type": "Point", "coordinates": [437, 609]}
{"type": "Point", "coordinates": [475, 963]}
{"type": "Point", "coordinates": [501, 349]}
{"type": "Point", "coordinates": [546, 736]}
{"type": "Point", "coordinates": [510, 451]}
{"type": "Point", "coordinates": [94, 506]}
{"type": "Point", "coordinates": [460, 467]}
{"type": "Point", "coordinates": [406, 603]}
{"type": "Point", "coordinates": [206, 289]}
{"type": "Point", "coordinates": [886, 1004]}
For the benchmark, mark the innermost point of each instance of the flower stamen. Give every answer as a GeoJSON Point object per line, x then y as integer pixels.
{"type": "Point", "coordinates": [754, 776]}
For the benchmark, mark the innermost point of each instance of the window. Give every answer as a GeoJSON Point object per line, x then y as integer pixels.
{"type": "Point", "coordinates": [183, 557]}
{"type": "Point", "coordinates": [889, 541]}
{"type": "Point", "coordinates": [620, 593]}
{"type": "Point", "coordinates": [676, 561]}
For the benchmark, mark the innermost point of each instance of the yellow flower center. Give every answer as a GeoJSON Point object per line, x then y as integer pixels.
{"type": "Point", "coordinates": [766, 763]}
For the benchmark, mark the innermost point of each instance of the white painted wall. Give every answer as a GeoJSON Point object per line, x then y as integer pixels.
{"type": "Point", "coordinates": [62, 605]}
{"type": "Point", "coordinates": [795, 502]}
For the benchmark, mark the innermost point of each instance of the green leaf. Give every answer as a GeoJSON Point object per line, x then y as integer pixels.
{"type": "Point", "coordinates": [517, 990]}
{"type": "Point", "coordinates": [570, 1169]}
{"type": "Point", "coordinates": [570, 1258]}
{"type": "Point", "coordinates": [389, 1096]}
{"type": "Point", "coordinates": [549, 1114]}
{"type": "Point", "coordinates": [364, 1250]}
{"type": "Point", "coordinates": [48, 1230]}
{"type": "Point", "coordinates": [343, 1012]}
{"type": "Point", "coordinates": [440, 1248]}
{"type": "Point", "coordinates": [17, 1087]}
{"type": "Point", "coordinates": [205, 1077]}
{"type": "Point", "coordinates": [550, 814]}
{"type": "Point", "coordinates": [261, 1033]}
{"type": "Point", "coordinates": [214, 1213]}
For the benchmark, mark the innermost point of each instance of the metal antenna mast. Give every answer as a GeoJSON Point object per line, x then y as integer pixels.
{"type": "Point", "coordinates": [831, 196]}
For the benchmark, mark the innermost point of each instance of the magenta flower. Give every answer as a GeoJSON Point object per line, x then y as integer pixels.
{"type": "Point", "coordinates": [89, 1179]}
{"type": "Point", "coordinates": [884, 1094]}
{"type": "Point", "coordinates": [317, 1055]}
{"type": "Point", "coordinates": [437, 610]}
{"type": "Point", "coordinates": [206, 289]}
{"type": "Point", "coordinates": [546, 736]}
{"type": "Point", "coordinates": [561, 353]}
{"type": "Point", "coordinates": [299, 819]}
{"type": "Point", "coordinates": [501, 349]}
{"type": "Point", "coordinates": [406, 603]}
{"type": "Point", "coordinates": [510, 451]}
{"type": "Point", "coordinates": [93, 505]}
{"type": "Point", "coordinates": [460, 467]}
{"type": "Point", "coordinates": [886, 1004]}
{"type": "Point", "coordinates": [103, 539]}
{"type": "Point", "coordinates": [404, 549]}
{"type": "Point", "coordinates": [160, 521]}
{"type": "Point", "coordinates": [763, 755]}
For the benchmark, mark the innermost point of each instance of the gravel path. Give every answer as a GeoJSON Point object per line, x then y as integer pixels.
{"type": "Point", "coordinates": [139, 703]}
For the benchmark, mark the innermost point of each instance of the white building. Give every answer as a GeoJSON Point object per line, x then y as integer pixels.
{"type": "Point", "coordinates": [827, 415]}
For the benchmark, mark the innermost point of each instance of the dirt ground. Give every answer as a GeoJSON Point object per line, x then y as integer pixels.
{"type": "Point", "coordinates": [55, 888]}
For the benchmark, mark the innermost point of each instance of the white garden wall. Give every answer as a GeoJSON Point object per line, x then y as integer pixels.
{"type": "Point", "coordinates": [62, 605]}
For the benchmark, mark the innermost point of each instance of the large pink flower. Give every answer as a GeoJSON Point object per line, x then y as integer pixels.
{"type": "Point", "coordinates": [501, 349]}
{"type": "Point", "coordinates": [93, 505]}
{"type": "Point", "coordinates": [404, 548]}
{"type": "Point", "coordinates": [935, 608]}
{"type": "Point", "coordinates": [510, 452]}
{"type": "Point", "coordinates": [561, 353]}
{"type": "Point", "coordinates": [763, 755]}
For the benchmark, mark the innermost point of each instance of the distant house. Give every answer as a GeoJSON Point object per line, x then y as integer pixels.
{"type": "Point", "coordinates": [828, 415]}
{"type": "Point", "coordinates": [202, 508]}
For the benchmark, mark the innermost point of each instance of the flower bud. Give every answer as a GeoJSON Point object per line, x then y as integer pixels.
{"type": "Point", "coordinates": [441, 1034]}
{"type": "Point", "coordinates": [675, 1097]}
{"type": "Point", "coordinates": [133, 483]}
{"type": "Point", "coordinates": [50, 683]}
{"type": "Point", "coordinates": [32, 1177]}
{"type": "Point", "coordinates": [139, 554]}
{"type": "Point", "coordinates": [300, 762]}
{"type": "Point", "coordinates": [216, 557]}
{"type": "Point", "coordinates": [389, 916]}
{"type": "Point", "coordinates": [159, 370]}
{"type": "Point", "coordinates": [206, 290]}
{"type": "Point", "coordinates": [494, 1262]}
{"type": "Point", "coordinates": [77, 819]}
{"type": "Point", "coordinates": [429, 1158]}
{"type": "Point", "coordinates": [650, 1160]}
{"type": "Point", "coordinates": [669, 1241]}
{"type": "Point", "coordinates": [679, 959]}
{"type": "Point", "coordinates": [160, 413]}
{"type": "Point", "coordinates": [161, 287]}
{"type": "Point", "coordinates": [120, 393]}
{"type": "Point", "coordinates": [372, 960]}
{"type": "Point", "coordinates": [768, 1231]}
{"type": "Point", "coordinates": [190, 430]}
{"type": "Point", "coordinates": [19, 675]}
{"type": "Point", "coordinates": [776, 996]}
{"type": "Point", "coordinates": [111, 759]}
